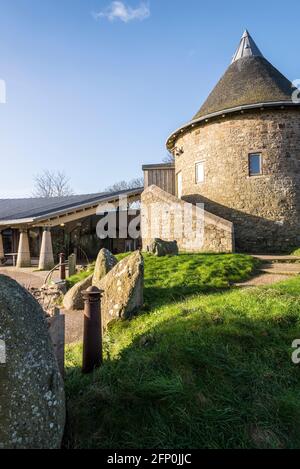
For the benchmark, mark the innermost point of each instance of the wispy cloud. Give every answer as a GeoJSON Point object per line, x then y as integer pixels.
{"type": "Point", "coordinates": [120, 11]}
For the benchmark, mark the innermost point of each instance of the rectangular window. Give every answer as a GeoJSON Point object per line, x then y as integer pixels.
{"type": "Point", "coordinates": [179, 185]}
{"type": "Point", "coordinates": [200, 172]}
{"type": "Point", "coordinates": [255, 166]}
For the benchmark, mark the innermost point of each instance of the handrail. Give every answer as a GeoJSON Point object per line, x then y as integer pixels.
{"type": "Point", "coordinates": [49, 275]}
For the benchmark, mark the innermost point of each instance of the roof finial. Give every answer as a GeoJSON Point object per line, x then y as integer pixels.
{"type": "Point", "coordinates": [246, 48]}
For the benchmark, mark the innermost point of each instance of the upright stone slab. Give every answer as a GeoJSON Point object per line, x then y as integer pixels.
{"type": "Point", "coordinates": [57, 330]}
{"type": "Point", "coordinates": [72, 264]}
{"type": "Point", "coordinates": [73, 300]}
{"type": "Point", "coordinates": [123, 289]}
{"type": "Point", "coordinates": [32, 402]}
{"type": "Point", "coordinates": [104, 263]}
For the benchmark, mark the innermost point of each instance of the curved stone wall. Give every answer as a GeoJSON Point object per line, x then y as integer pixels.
{"type": "Point", "coordinates": [265, 209]}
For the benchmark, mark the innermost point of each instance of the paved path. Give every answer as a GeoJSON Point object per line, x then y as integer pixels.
{"type": "Point", "coordinates": [274, 269]}
{"type": "Point", "coordinates": [27, 277]}
{"type": "Point", "coordinates": [277, 258]}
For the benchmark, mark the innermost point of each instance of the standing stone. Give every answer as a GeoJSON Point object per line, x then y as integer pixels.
{"type": "Point", "coordinates": [32, 402]}
{"type": "Point", "coordinates": [73, 300]}
{"type": "Point", "coordinates": [104, 263]}
{"type": "Point", "coordinates": [72, 264]}
{"type": "Point", "coordinates": [123, 289]}
{"type": "Point", "coordinates": [162, 248]}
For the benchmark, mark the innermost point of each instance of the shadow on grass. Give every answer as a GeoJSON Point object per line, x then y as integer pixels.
{"type": "Point", "coordinates": [197, 380]}
{"type": "Point", "coordinates": [158, 296]}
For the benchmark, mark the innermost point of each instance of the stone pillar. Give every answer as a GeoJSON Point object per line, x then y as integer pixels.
{"type": "Point", "coordinates": [46, 255]}
{"type": "Point", "coordinates": [1, 246]}
{"type": "Point", "coordinates": [23, 259]}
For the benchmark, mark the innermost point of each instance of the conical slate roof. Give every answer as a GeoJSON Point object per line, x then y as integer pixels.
{"type": "Point", "coordinates": [249, 80]}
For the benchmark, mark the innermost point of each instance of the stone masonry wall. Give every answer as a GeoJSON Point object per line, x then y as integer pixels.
{"type": "Point", "coordinates": [212, 234]}
{"type": "Point", "coordinates": [265, 209]}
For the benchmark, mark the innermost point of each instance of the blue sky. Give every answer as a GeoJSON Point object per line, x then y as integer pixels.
{"type": "Point", "coordinates": [94, 89]}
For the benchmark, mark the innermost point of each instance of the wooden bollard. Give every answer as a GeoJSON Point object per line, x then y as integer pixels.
{"type": "Point", "coordinates": [92, 335]}
{"type": "Point", "coordinates": [62, 266]}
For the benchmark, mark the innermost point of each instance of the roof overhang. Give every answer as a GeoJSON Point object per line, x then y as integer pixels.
{"type": "Point", "coordinates": [171, 141]}
{"type": "Point", "coordinates": [80, 209]}
{"type": "Point", "coordinates": [149, 167]}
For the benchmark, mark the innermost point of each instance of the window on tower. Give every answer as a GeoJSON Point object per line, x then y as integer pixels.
{"type": "Point", "coordinates": [179, 184]}
{"type": "Point", "coordinates": [200, 172]}
{"type": "Point", "coordinates": [255, 164]}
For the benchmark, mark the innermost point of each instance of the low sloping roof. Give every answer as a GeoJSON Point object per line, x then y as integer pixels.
{"type": "Point", "coordinates": [32, 208]}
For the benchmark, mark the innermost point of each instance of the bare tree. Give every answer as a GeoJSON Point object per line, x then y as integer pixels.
{"type": "Point", "coordinates": [51, 184]}
{"type": "Point", "coordinates": [169, 158]}
{"type": "Point", "coordinates": [126, 185]}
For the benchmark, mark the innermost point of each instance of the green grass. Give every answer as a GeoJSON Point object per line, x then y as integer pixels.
{"type": "Point", "coordinates": [71, 281]}
{"type": "Point", "coordinates": [170, 278]}
{"type": "Point", "coordinates": [211, 371]}
{"type": "Point", "coordinates": [296, 252]}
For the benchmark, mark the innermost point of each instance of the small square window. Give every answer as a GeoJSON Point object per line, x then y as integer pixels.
{"type": "Point", "coordinates": [255, 166]}
{"type": "Point", "coordinates": [200, 172]}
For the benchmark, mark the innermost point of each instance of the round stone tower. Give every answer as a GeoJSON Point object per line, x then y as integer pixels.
{"type": "Point", "coordinates": [240, 155]}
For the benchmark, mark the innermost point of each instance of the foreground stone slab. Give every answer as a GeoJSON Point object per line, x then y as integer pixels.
{"type": "Point", "coordinates": [73, 300]}
{"type": "Point", "coordinates": [123, 289]}
{"type": "Point", "coordinates": [104, 263]}
{"type": "Point", "coordinates": [162, 248]}
{"type": "Point", "coordinates": [32, 401]}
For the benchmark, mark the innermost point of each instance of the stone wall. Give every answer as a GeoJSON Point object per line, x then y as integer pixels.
{"type": "Point", "coordinates": [201, 232]}
{"type": "Point", "coordinates": [265, 209]}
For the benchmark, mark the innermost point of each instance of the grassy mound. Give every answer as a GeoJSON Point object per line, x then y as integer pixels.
{"type": "Point", "coordinates": [171, 277]}
{"type": "Point", "coordinates": [212, 371]}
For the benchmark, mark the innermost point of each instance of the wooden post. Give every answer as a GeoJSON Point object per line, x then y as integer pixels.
{"type": "Point", "coordinates": [1, 247]}
{"type": "Point", "coordinates": [62, 266]}
{"type": "Point", "coordinates": [92, 338]}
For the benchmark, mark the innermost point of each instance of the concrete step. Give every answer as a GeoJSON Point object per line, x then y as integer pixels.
{"type": "Point", "coordinates": [274, 259]}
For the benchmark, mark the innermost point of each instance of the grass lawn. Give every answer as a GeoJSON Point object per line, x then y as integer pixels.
{"type": "Point", "coordinates": [212, 370]}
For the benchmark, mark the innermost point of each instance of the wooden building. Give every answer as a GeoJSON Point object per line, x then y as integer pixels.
{"type": "Point", "coordinates": [161, 175]}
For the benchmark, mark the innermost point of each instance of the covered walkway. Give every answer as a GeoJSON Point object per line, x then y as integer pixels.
{"type": "Point", "coordinates": [33, 231]}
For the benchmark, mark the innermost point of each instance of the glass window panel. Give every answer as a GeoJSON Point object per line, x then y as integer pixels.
{"type": "Point", "coordinates": [254, 164]}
